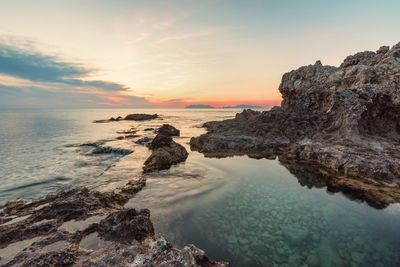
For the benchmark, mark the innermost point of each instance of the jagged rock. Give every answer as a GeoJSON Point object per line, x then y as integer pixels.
{"type": "Point", "coordinates": [161, 140]}
{"type": "Point", "coordinates": [141, 117]}
{"type": "Point", "coordinates": [170, 130]}
{"type": "Point", "coordinates": [162, 158]}
{"type": "Point", "coordinates": [127, 225]}
{"type": "Point", "coordinates": [345, 120]}
{"type": "Point", "coordinates": [124, 237]}
{"type": "Point", "coordinates": [165, 153]}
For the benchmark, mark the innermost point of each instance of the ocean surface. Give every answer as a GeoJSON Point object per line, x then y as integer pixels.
{"type": "Point", "coordinates": [247, 211]}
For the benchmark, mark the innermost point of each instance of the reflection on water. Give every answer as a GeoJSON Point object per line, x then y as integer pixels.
{"type": "Point", "coordinates": [255, 213]}
{"type": "Point", "coordinates": [250, 212]}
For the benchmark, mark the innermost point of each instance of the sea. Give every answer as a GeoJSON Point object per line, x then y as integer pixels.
{"type": "Point", "coordinates": [250, 212]}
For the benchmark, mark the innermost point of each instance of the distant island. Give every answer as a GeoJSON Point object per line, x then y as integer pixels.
{"type": "Point", "coordinates": [244, 106]}
{"type": "Point", "coordinates": [199, 106]}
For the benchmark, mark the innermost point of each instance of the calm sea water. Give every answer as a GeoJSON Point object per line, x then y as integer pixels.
{"type": "Point", "coordinates": [250, 212]}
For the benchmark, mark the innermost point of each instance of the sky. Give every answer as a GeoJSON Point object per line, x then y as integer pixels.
{"type": "Point", "coordinates": [169, 54]}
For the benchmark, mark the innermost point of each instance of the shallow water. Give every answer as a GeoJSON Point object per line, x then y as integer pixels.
{"type": "Point", "coordinates": [247, 211]}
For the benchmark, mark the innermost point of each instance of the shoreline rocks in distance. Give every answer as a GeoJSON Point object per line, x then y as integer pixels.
{"type": "Point", "coordinates": [199, 106]}
{"type": "Point", "coordinates": [131, 117]}
{"type": "Point", "coordinates": [343, 120]}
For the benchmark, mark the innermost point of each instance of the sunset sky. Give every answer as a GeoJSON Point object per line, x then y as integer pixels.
{"type": "Point", "coordinates": [149, 53]}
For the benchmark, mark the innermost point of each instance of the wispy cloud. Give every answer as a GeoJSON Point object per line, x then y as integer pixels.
{"type": "Point", "coordinates": [38, 67]}
{"type": "Point", "coordinates": [29, 79]}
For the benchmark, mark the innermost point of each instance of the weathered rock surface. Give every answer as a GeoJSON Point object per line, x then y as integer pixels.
{"type": "Point", "coordinates": [170, 130]}
{"type": "Point", "coordinates": [35, 233]}
{"type": "Point", "coordinates": [161, 140]}
{"type": "Point", "coordinates": [344, 120]}
{"type": "Point", "coordinates": [165, 153]}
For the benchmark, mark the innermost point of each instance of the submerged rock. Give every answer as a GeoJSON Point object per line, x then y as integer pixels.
{"type": "Point", "coordinates": [109, 150]}
{"type": "Point", "coordinates": [344, 120]}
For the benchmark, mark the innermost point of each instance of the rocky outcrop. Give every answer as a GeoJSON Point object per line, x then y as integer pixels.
{"type": "Point", "coordinates": [344, 120]}
{"type": "Point", "coordinates": [141, 117]}
{"type": "Point", "coordinates": [163, 158]}
{"type": "Point", "coordinates": [130, 117]}
{"type": "Point", "coordinates": [87, 228]}
{"type": "Point", "coordinates": [170, 130]}
{"type": "Point", "coordinates": [165, 152]}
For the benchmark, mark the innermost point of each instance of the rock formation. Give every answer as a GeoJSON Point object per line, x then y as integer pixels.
{"type": "Point", "coordinates": [141, 117]}
{"type": "Point", "coordinates": [165, 151]}
{"type": "Point", "coordinates": [344, 120]}
{"type": "Point", "coordinates": [88, 228]}
{"type": "Point", "coordinates": [130, 117]}
{"type": "Point", "coordinates": [169, 130]}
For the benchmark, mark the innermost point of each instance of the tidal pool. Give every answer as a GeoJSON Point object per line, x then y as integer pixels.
{"type": "Point", "coordinates": [255, 213]}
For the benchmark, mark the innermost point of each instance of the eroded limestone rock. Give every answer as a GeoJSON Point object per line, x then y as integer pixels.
{"type": "Point", "coordinates": [344, 120]}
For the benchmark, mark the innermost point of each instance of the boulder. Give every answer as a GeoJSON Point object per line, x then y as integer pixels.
{"type": "Point", "coordinates": [168, 130]}
{"type": "Point", "coordinates": [127, 225]}
{"type": "Point", "coordinates": [162, 158]}
{"type": "Point", "coordinates": [161, 140]}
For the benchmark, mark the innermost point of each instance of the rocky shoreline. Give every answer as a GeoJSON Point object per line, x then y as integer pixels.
{"type": "Point", "coordinates": [88, 228]}
{"type": "Point", "coordinates": [342, 122]}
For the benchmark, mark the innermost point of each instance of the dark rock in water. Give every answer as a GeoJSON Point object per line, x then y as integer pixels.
{"type": "Point", "coordinates": [141, 117]}
{"type": "Point", "coordinates": [130, 117]}
{"type": "Point", "coordinates": [131, 136]}
{"type": "Point", "coordinates": [170, 130]}
{"type": "Point", "coordinates": [161, 140]}
{"type": "Point", "coordinates": [165, 152]}
{"type": "Point", "coordinates": [116, 119]}
{"type": "Point", "coordinates": [129, 131]}
{"type": "Point", "coordinates": [344, 120]}
{"type": "Point", "coordinates": [123, 237]}
{"type": "Point", "coordinates": [127, 225]}
{"type": "Point", "coordinates": [162, 158]}
{"type": "Point", "coordinates": [109, 150]}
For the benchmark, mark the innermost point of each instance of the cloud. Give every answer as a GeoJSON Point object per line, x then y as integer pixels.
{"type": "Point", "coordinates": [38, 67]}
